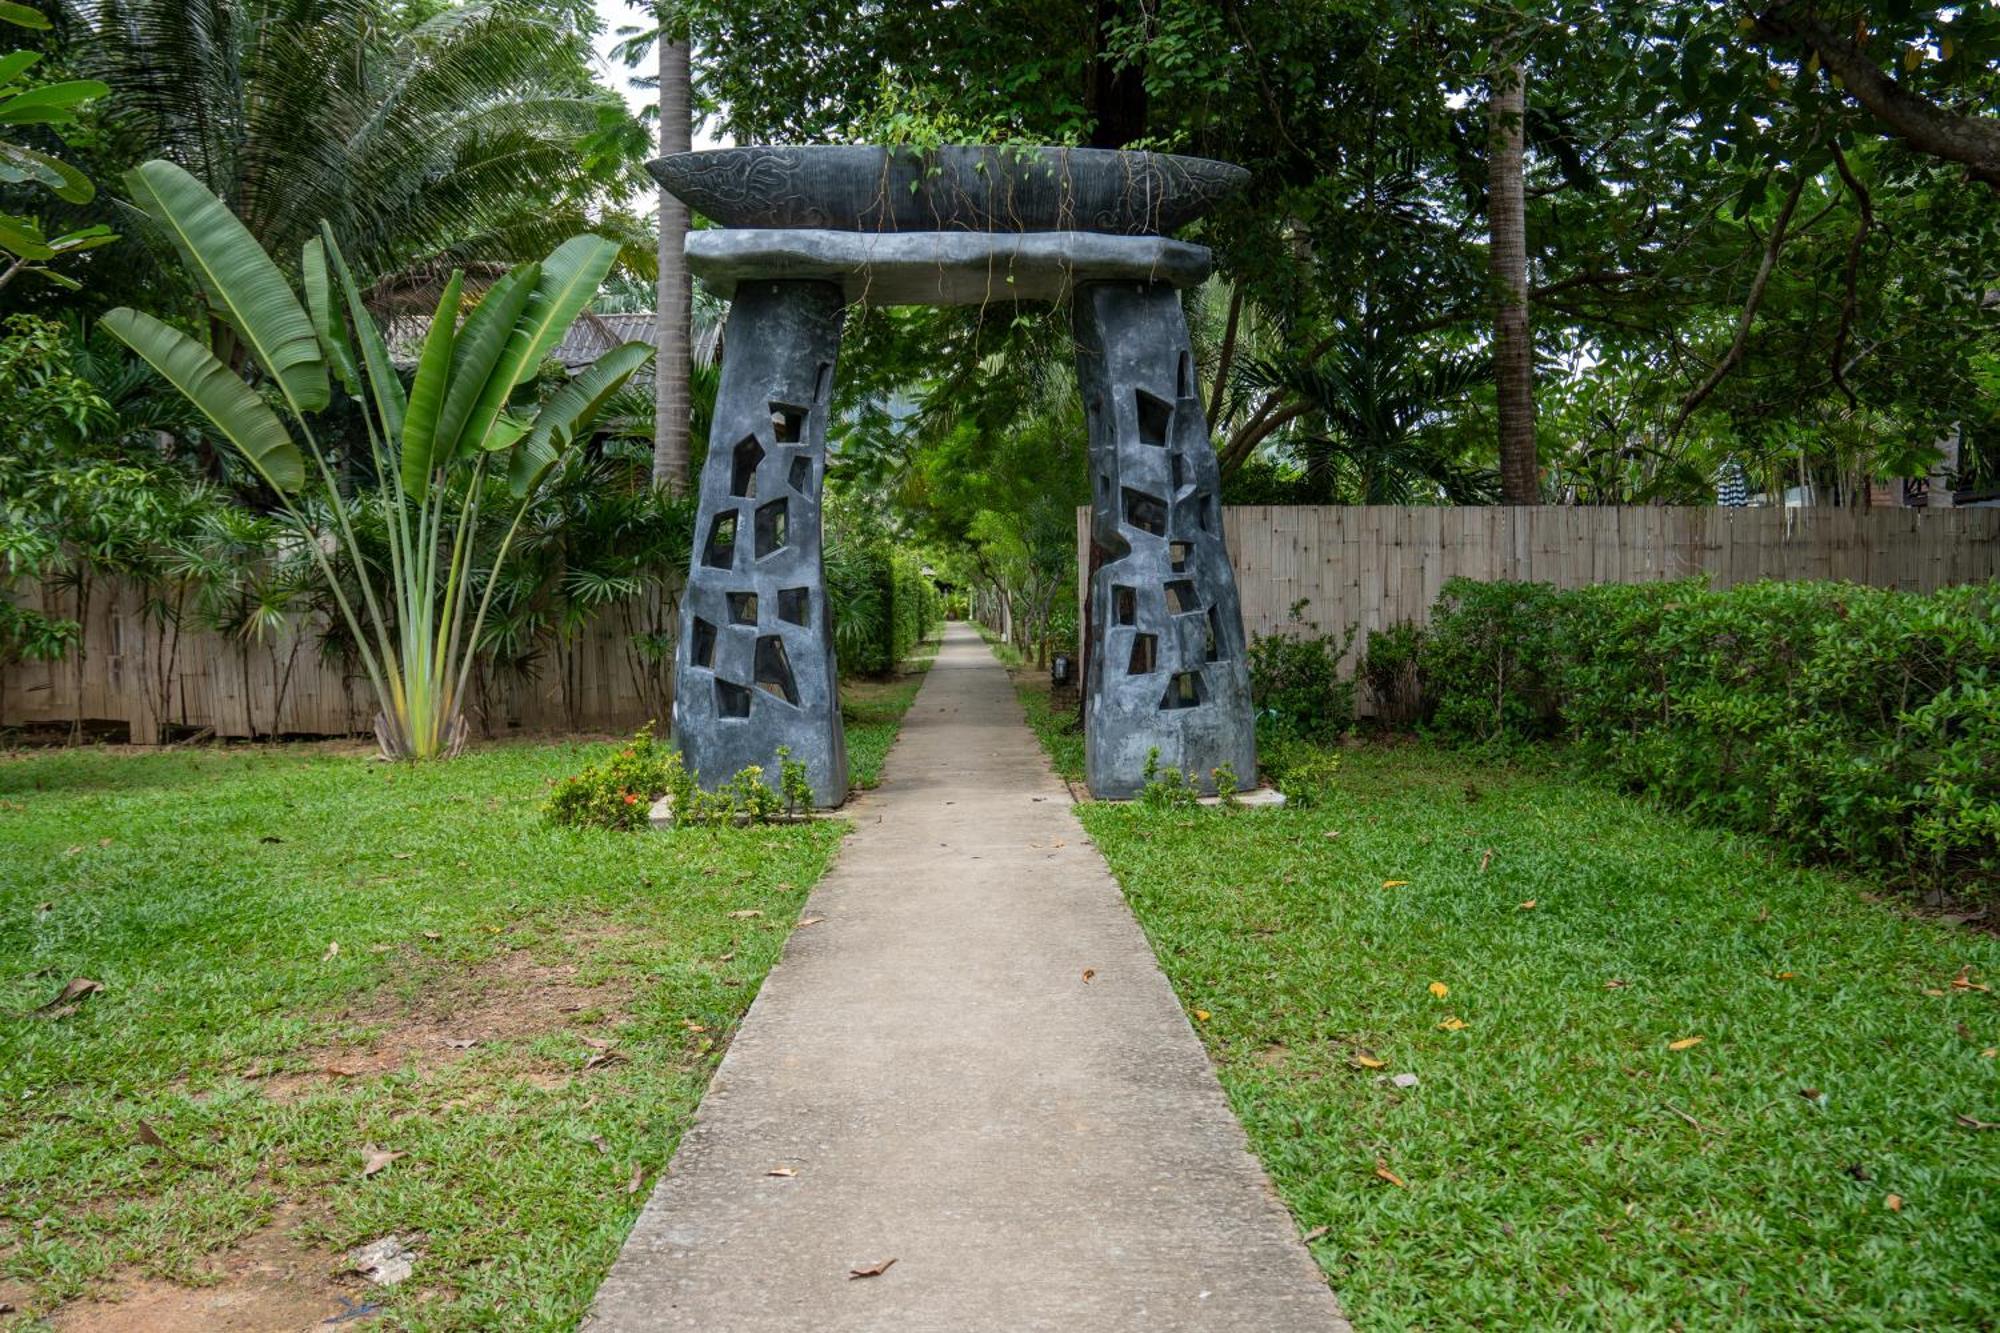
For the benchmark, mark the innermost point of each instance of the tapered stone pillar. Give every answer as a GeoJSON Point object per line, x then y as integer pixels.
{"type": "Point", "coordinates": [754, 669]}
{"type": "Point", "coordinates": [1167, 669]}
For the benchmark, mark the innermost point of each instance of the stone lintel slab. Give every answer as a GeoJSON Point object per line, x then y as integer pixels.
{"type": "Point", "coordinates": [941, 268]}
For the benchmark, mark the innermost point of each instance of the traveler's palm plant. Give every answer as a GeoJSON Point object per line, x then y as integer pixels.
{"type": "Point", "coordinates": [444, 447]}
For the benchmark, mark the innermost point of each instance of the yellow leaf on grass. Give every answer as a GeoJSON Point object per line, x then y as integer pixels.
{"type": "Point", "coordinates": [1528, 906]}
{"type": "Point", "coordinates": [1452, 1023]}
{"type": "Point", "coordinates": [1894, 1203]}
{"type": "Point", "coordinates": [1683, 1043]}
{"type": "Point", "coordinates": [1394, 883]}
{"type": "Point", "coordinates": [1439, 989]}
{"type": "Point", "coordinates": [1383, 1172]}
{"type": "Point", "coordinates": [1201, 1015]}
{"type": "Point", "coordinates": [1990, 1053]}
{"type": "Point", "coordinates": [1369, 1061]}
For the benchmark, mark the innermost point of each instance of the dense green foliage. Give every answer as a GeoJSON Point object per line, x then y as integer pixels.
{"type": "Point", "coordinates": [616, 793]}
{"type": "Point", "coordinates": [884, 603]}
{"type": "Point", "coordinates": [1807, 1162]}
{"type": "Point", "coordinates": [1296, 684]}
{"type": "Point", "coordinates": [1851, 723]}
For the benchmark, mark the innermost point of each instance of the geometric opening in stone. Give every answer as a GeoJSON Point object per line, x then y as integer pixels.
{"type": "Point", "coordinates": [771, 523]}
{"type": "Point", "coordinates": [795, 605]}
{"type": "Point", "coordinates": [731, 699]}
{"type": "Point", "coordinates": [1181, 598]}
{"type": "Point", "coordinates": [1154, 418]}
{"type": "Point", "coordinates": [1212, 639]}
{"type": "Point", "coordinates": [1183, 691]}
{"type": "Point", "coordinates": [1203, 514]}
{"type": "Point", "coordinates": [743, 471]}
{"type": "Point", "coordinates": [702, 651]}
{"type": "Point", "coordinates": [1145, 655]}
{"type": "Point", "coordinates": [742, 608]}
{"type": "Point", "coordinates": [720, 553]}
{"type": "Point", "coordinates": [774, 669]}
{"type": "Point", "coordinates": [787, 423]}
{"type": "Point", "coordinates": [1145, 512]}
{"type": "Point", "coordinates": [802, 473]}
{"type": "Point", "coordinates": [1178, 552]}
{"type": "Point", "coordinates": [1179, 470]}
{"type": "Point", "coordinates": [1186, 384]}
{"type": "Point", "coordinates": [822, 381]}
{"type": "Point", "coordinates": [1124, 605]}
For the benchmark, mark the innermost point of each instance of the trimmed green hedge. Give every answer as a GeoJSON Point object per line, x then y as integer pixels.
{"type": "Point", "coordinates": [1851, 723]}
{"type": "Point", "coordinates": [883, 605]}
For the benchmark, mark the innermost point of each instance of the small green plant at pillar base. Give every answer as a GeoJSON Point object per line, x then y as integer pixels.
{"type": "Point", "coordinates": [794, 783]}
{"type": "Point", "coordinates": [619, 793]}
{"type": "Point", "coordinates": [1167, 788]}
{"type": "Point", "coordinates": [1226, 782]}
{"type": "Point", "coordinates": [1303, 773]}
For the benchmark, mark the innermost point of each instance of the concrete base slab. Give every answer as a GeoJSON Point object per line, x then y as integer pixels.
{"type": "Point", "coordinates": [972, 1066]}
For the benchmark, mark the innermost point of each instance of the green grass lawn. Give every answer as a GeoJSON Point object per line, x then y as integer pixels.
{"type": "Point", "coordinates": [871, 712]}
{"type": "Point", "coordinates": [236, 1063]}
{"type": "Point", "coordinates": [1559, 1163]}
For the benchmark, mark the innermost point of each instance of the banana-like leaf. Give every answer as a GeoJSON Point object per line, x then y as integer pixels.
{"type": "Point", "coordinates": [569, 413]}
{"type": "Point", "coordinates": [242, 284]}
{"type": "Point", "coordinates": [327, 320]}
{"type": "Point", "coordinates": [383, 382]}
{"type": "Point", "coordinates": [19, 165]}
{"type": "Point", "coordinates": [23, 16]}
{"type": "Point", "coordinates": [16, 63]}
{"type": "Point", "coordinates": [475, 359]}
{"type": "Point", "coordinates": [234, 407]}
{"type": "Point", "coordinates": [427, 392]}
{"type": "Point", "coordinates": [52, 103]}
{"type": "Point", "coordinates": [570, 277]}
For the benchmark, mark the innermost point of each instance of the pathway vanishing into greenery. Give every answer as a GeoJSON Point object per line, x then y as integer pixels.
{"type": "Point", "coordinates": [966, 1098]}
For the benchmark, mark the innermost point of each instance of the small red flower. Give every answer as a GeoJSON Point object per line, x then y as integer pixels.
{"type": "Point", "coordinates": [631, 799]}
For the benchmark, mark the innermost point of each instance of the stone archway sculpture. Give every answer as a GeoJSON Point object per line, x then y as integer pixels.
{"type": "Point", "coordinates": [804, 233]}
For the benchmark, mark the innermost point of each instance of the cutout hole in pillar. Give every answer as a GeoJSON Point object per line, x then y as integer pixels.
{"type": "Point", "coordinates": [1212, 638]}
{"type": "Point", "coordinates": [795, 606]}
{"type": "Point", "coordinates": [788, 423]}
{"type": "Point", "coordinates": [742, 608]}
{"type": "Point", "coordinates": [1145, 655]}
{"type": "Point", "coordinates": [773, 520]}
{"type": "Point", "coordinates": [1185, 388]}
{"type": "Point", "coordinates": [731, 699]}
{"type": "Point", "coordinates": [802, 473]}
{"type": "Point", "coordinates": [1184, 690]}
{"type": "Point", "coordinates": [1179, 469]}
{"type": "Point", "coordinates": [743, 467]}
{"type": "Point", "coordinates": [822, 381]}
{"type": "Point", "coordinates": [1124, 605]}
{"type": "Point", "coordinates": [1180, 553]}
{"type": "Point", "coordinates": [1181, 598]}
{"type": "Point", "coordinates": [701, 648]}
{"type": "Point", "coordinates": [1155, 416]}
{"type": "Point", "coordinates": [1148, 513]}
{"type": "Point", "coordinates": [1204, 513]}
{"type": "Point", "coordinates": [774, 669]}
{"type": "Point", "coordinates": [720, 550]}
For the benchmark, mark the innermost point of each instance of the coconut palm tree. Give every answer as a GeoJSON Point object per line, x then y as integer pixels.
{"type": "Point", "coordinates": [427, 136]}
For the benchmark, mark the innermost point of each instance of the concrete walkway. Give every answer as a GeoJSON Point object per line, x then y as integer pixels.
{"type": "Point", "coordinates": [1034, 1151]}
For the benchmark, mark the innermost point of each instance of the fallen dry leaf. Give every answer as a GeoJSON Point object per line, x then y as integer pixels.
{"type": "Point", "coordinates": [811, 921]}
{"type": "Point", "coordinates": [782, 1171]}
{"type": "Point", "coordinates": [1964, 981]}
{"type": "Point", "coordinates": [1088, 973]}
{"type": "Point", "coordinates": [1485, 860]}
{"type": "Point", "coordinates": [1314, 1234]}
{"type": "Point", "coordinates": [1201, 1015]}
{"type": "Point", "coordinates": [1811, 1094]}
{"type": "Point", "coordinates": [402, 856]}
{"type": "Point", "coordinates": [1363, 1060]}
{"type": "Point", "coordinates": [1991, 1052]}
{"type": "Point", "coordinates": [461, 1043]}
{"type": "Point", "coordinates": [603, 1058]}
{"type": "Point", "coordinates": [1683, 1043]}
{"type": "Point", "coordinates": [374, 1159]}
{"type": "Point", "coordinates": [1383, 1172]}
{"type": "Point", "coordinates": [1395, 883]}
{"type": "Point", "coordinates": [332, 951]}
{"type": "Point", "coordinates": [1439, 989]}
{"type": "Point", "coordinates": [638, 1178]}
{"type": "Point", "coordinates": [1452, 1023]}
{"type": "Point", "coordinates": [596, 1043]}
{"type": "Point", "coordinates": [1932, 991]}
{"type": "Point", "coordinates": [1788, 976]}
{"type": "Point", "coordinates": [1527, 906]}
{"type": "Point", "coordinates": [1331, 833]}
{"type": "Point", "coordinates": [1894, 1203]}
{"type": "Point", "coordinates": [433, 935]}
{"type": "Point", "coordinates": [746, 914]}
{"type": "Point", "coordinates": [149, 1136]}
{"type": "Point", "coordinates": [872, 1270]}
{"type": "Point", "coordinates": [77, 989]}
{"type": "Point", "coordinates": [1616, 984]}
{"type": "Point", "coordinates": [1973, 1122]}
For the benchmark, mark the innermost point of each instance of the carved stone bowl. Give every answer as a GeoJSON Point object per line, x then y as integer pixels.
{"type": "Point", "coordinates": [1002, 189]}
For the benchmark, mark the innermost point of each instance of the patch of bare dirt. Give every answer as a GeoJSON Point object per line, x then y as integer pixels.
{"type": "Point", "coordinates": [456, 1011]}
{"type": "Point", "coordinates": [272, 1282]}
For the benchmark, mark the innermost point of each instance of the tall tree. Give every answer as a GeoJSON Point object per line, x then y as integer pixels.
{"type": "Point", "coordinates": [676, 296]}
{"type": "Point", "coordinates": [1507, 220]}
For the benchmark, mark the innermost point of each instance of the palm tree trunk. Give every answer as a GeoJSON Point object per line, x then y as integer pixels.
{"type": "Point", "coordinates": [673, 333]}
{"type": "Point", "coordinates": [1513, 345]}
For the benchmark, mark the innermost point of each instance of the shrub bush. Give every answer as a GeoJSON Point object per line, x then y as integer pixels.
{"type": "Point", "coordinates": [1302, 771]}
{"type": "Point", "coordinates": [618, 793]}
{"type": "Point", "coordinates": [1389, 669]}
{"type": "Point", "coordinates": [1296, 684]}
{"type": "Point", "coordinates": [1854, 724]}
